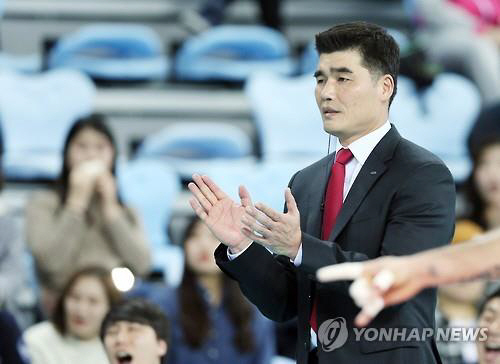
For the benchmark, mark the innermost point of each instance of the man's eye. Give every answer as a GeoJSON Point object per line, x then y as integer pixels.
{"type": "Point", "coordinates": [342, 79]}
{"type": "Point", "coordinates": [319, 80]}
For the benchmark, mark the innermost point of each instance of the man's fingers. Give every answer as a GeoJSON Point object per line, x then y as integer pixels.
{"type": "Point", "coordinates": [291, 205]}
{"type": "Point", "coordinates": [254, 226]}
{"type": "Point", "coordinates": [369, 311]}
{"type": "Point", "coordinates": [245, 198]}
{"type": "Point", "coordinates": [260, 217]}
{"type": "Point", "coordinates": [198, 209]}
{"type": "Point", "coordinates": [272, 214]}
{"type": "Point", "coordinates": [383, 280]}
{"type": "Point", "coordinates": [254, 237]}
{"type": "Point", "coordinates": [366, 296]}
{"type": "Point", "coordinates": [200, 197]}
{"type": "Point", "coordinates": [214, 188]}
{"type": "Point", "coordinates": [340, 272]}
{"type": "Point", "coordinates": [205, 189]}
{"type": "Point", "coordinates": [401, 293]}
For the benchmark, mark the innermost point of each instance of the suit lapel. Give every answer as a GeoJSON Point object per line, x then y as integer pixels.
{"type": "Point", "coordinates": [374, 167]}
{"type": "Point", "coordinates": [317, 195]}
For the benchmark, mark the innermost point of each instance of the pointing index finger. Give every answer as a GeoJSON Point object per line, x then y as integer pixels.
{"type": "Point", "coordinates": [340, 272]}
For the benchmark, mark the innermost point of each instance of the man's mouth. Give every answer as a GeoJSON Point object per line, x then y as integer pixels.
{"type": "Point", "coordinates": [330, 111]}
{"type": "Point", "coordinates": [123, 357]}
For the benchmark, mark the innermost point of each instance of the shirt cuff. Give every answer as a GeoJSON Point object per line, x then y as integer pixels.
{"type": "Point", "coordinates": [236, 255]}
{"type": "Point", "coordinates": [298, 259]}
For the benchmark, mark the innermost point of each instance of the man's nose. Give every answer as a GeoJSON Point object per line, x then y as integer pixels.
{"type": "Point", "coordinates": [328, 92]}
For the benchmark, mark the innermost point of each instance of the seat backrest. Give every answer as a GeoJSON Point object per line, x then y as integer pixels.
{"type": "Point", "coordinates": [107, 41]}
{"type": "Point", "coordinates": [151, 187]}
{"type": "Point", "coordinates": [287, 118]}
{"type": "Point", "coordinates": [438, 118]}
{"type": "Point", "coordinates": [232, 52]}
{"type": "Point", "coordinates": [197, 140]}
{"type": "Point", "coordinates": [36, 111]}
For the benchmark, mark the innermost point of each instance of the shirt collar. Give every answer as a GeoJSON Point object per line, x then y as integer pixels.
{"type": "Point", "coordinates": [362, 147]}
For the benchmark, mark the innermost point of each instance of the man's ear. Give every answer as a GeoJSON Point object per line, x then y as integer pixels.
{"type": "Point", "coordinates": [386, 87]}
{"type": "Point", "coordinates": [162, 348]}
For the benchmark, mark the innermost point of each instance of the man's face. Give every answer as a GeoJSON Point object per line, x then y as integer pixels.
{"type": "Point", "coordinates": [489, 350]}
{"type": "Point", "coordinates": [133, 343]}
{"type": "Point", "coordinates": [352, 101]}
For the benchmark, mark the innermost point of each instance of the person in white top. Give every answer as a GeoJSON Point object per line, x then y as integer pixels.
{"type": "Point", "coordinates": [72, 335]}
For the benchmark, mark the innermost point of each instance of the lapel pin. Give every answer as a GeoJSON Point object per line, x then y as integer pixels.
{"type": "Point", "coordinates": [373, 172]}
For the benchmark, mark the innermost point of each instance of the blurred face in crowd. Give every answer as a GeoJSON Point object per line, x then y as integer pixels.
{"type": "Point", "coordinates": [199, 249]}
{"type": "Point", "coordinates": [133, 343]}
{"type": "Point", "coordinates": [352, 100]}
{"type": "Point", "coordinates": [489, 350]}
{"type": "Point", "coordinates": [89, 144]}
{"type": "Point", "coordinates": [85, 306]}
{"type": "Point", "coordinates": [487, 175]}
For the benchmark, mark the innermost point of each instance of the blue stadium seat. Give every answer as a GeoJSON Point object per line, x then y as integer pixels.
{"type": "Point", "coordinates": [36, 112]}
{"type": "Point", "coordinates": [266, 181]}
{"type": "Point", "coordinates": [232, 53]}
{"type": "Point", "coordinates": [151, 187]}
{"type": "Point", "coordinates": [287, 118]}
{"type": "Point", "coordinates": [308, 59]}
{"type": "Point", "coordinates": [31, 63]}
{"type": "Point", "coordinates": [193, 146]}
{"type": "Point", "coordinates": [439, 118]}
{"type": "Point", "coordinates": [123, 52]}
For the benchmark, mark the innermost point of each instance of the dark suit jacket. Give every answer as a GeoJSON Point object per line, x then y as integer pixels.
{"type": "Point", "coordinates": [402, 202]}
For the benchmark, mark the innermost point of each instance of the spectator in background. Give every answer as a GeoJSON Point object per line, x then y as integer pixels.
{"type": "Point", "coordinates": [457, 305]}
{"type": "Point", "coordinates": [489, 318]}
{"type": "Point", "coordinates": [211, 320]}
{"type": "Point", "coordinates": [482, 188]}
{"type": "Point", "coordinates": [211, 13]}
{"type": "Point", "coordinates": [458, 302]}
{"type": "Point", "coordinates": [72, 336]}
{"type": "Point", "coordinates": [12, 269]}
{"type": "Point", "coordinates": [464, 34]}
{"type": "Point", "coordinates": [135, 331]}
{"type": "Point", "coordinates": [84, 222]}
{"type": "Point", "coordinates": [12, 347]}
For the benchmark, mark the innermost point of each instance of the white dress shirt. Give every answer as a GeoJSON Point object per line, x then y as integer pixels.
{"type": "Point", "coordinates": [360, 149]}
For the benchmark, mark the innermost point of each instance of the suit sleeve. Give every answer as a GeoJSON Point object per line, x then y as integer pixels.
{"type": "Point", "coordinates": [267, 280]}
{"type": "Point", "coordinates": [421, 217]}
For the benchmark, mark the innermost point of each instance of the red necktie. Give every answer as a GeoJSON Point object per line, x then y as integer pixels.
{"type": "Point", "coordinates": [333, 204]}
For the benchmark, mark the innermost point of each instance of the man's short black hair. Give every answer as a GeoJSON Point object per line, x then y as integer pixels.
{"type": "Point", "coordinates": [379, 50]}
{"type": "Point", "coordinates": [140, 311]}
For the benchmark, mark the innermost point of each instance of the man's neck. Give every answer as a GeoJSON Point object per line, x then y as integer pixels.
{"type": "Point", "coordinates": [346, 141]}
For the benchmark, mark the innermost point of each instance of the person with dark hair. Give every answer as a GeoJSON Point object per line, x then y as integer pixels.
{"type": "Point", "coordinates": [378, 194]}
{"type": "Point", "coordinates": [482, 188]}
{"type": "Point", "coordinates": [83, 222]}
{"type": "Point", "coordinates": [210, 318]}
{"type": "Point", "coordinates": [135, 331]}
{"type": "Point", "coordinates": [475, 258]}
{"type": "Point", "coordinates": [489, 319]}
{"type": "Point", "coordinates": [72, 336]}
{"type": "Point", "coordinates": [458, 302]}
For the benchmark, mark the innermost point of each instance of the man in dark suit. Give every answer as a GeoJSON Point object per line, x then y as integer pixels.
{"type": "Point", "coordinates": [379, 194]}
